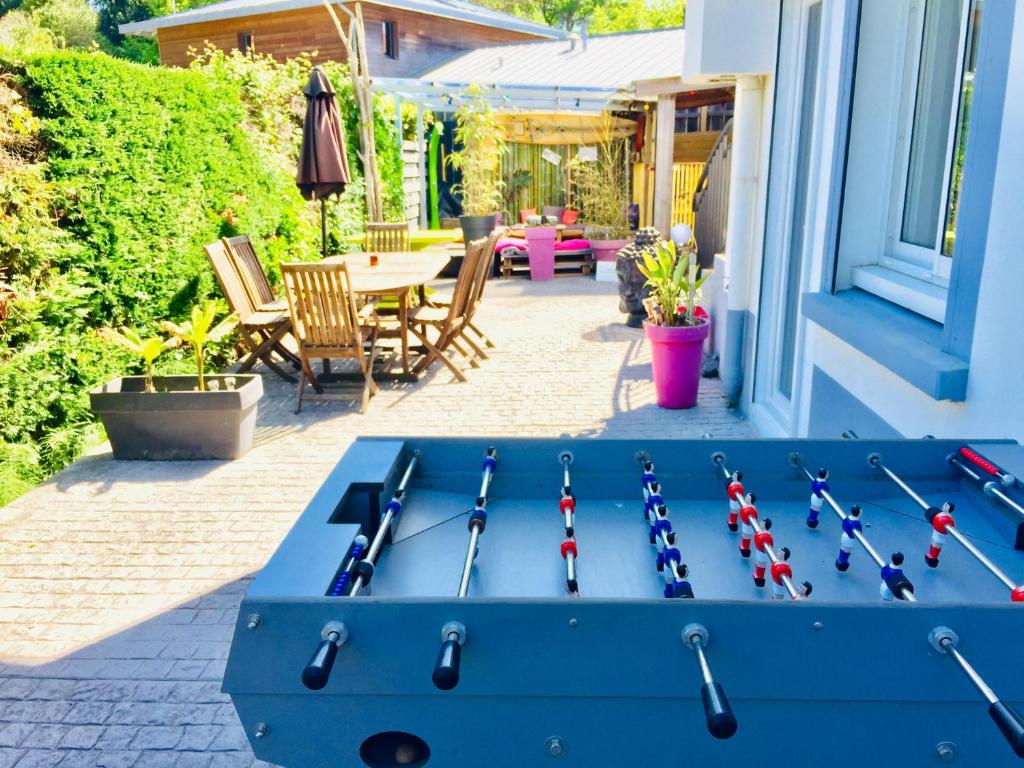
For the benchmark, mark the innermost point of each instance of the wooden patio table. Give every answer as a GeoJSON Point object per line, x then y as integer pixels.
{"type": "Point", "coordinates": [395, 274]}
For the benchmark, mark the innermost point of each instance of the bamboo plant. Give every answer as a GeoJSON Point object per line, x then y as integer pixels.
{"type": "Point", "coordinates": [674, 284]}
{"type": "Point", "coordinates": [482, 140]}
{"type": "Point", "coordinates": [601, 185]}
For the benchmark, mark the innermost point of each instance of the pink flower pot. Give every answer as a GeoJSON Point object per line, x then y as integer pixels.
{"type": "Point", "coordinates": [606, 250]}
{"type": "Point", "coordinates": [676, 358]}
{"type": "Point", "coordinates": [540, 244]}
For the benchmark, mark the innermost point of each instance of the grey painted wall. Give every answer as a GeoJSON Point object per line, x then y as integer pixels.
{"type": "Point", "coordinates": [835, 411]}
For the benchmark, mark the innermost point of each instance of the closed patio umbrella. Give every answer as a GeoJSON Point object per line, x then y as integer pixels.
{"type": "Point", "coordinates": [323, 164]}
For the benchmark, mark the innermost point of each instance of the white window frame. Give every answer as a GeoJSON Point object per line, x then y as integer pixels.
{"type": "Point", "coordinates": [907, 274]}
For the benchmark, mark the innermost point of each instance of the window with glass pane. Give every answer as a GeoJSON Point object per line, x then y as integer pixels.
{"type": "Point", "coordinates": [963, 118]}
{"type": "Point", "coordinates": [936, 85]}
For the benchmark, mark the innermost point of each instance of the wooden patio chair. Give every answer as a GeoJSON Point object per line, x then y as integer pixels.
{"type": "Point", "coordinates": [483, 273]}
{"type": "Point", "coordinates": [449, 320]}
{"type": "Point", "coordinates": [262, 331]}
{"type": "Point", "coordinates": [257, 286]}
{"type": "Point", "coordinates": [386, 237]}
{"type": "Point", "coordinates": [328, 324]}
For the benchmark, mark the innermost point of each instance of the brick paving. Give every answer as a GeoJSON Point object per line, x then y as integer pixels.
{"type": "Point", "coordinates": [121, 581]}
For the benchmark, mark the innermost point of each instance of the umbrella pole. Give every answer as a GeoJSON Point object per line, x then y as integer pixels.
{"type": "Point", "coordinates": [323, 225]}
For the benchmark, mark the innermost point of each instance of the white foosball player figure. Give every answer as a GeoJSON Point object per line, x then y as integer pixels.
{"type": "Point", "coordinates": [761, 559]}
{"type": "Point", "coordinates": [748, 512]}
{"type": "Point", "coordinates": [941, 521]}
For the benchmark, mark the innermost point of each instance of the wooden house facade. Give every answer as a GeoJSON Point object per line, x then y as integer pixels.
{"type": "Point", "coordinates": [402, 40]}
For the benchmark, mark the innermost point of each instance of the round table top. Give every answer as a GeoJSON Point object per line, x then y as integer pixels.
{"type": "Point", "coordinates": [394, 271]}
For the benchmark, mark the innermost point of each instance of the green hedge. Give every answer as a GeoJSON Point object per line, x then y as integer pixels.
{"type": "Point", "coordinates": [140, 166]}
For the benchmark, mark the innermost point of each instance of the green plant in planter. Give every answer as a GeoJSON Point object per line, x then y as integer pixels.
{"type": "Point", "coordinates": [601, 184]}
{"type": "Point", "coordinates": [199, 331]}
{"type": "Point", "coordinates": [148, 349]}
{"type": "Point", "coordinates": [672, 277]}
{"type": "Point", "coordinates": [482, 139]}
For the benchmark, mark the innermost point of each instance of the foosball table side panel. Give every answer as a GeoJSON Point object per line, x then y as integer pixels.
{"type": "Point", "coordinates": [819, 683]}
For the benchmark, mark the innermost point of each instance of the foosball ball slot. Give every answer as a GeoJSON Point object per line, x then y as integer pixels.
{"type": "Point", "coordinates": [394, 748]}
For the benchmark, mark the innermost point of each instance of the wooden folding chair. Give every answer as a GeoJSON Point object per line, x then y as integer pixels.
{"type": "Point", "coordinates": [328, 325]}
{"type": "Point", "coordinates": [257, 286]}
{"type": "Point", "coordinates": [449, 321]}
{"type": "Point", "coordinates": [386, 237]}
{"type": "Point", "coordinates": [262, 331]}
{"type": "Point", "coordinates": [483, 272]}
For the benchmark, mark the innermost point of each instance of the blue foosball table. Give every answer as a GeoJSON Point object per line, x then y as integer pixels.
{"type": "Point", "coordinates": [611, 603]}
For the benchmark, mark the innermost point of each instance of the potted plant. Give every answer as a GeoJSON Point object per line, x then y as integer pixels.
{"type": "Point", "coordinates": [481, 139]}
{"type": "Point", "coordinates": [178, 417]}
{"type": "Point", "coordinates": [601, 197]}
{"type": "Point", "coordinates": [676, 330]}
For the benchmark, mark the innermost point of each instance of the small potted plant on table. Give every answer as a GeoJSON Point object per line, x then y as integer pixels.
{"type": "Point", "coordinates": [179, 417]}
{"type": "Point", "coordinates": [675, 330]}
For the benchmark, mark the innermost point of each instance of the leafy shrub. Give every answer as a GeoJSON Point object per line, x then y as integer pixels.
{"type": "Point", "coordinates": [21, 35]}
{"type": "Point", "coordinates": [112, 177]}
{"type": "Point", "coordinates": [71, 22]}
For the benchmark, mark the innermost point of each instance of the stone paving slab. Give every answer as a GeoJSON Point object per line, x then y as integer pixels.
{"type": "Point", "coordinates": [121, 580]}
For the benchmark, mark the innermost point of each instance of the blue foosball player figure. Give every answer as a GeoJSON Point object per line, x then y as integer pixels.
{"type": "Point", "coordinates": [818, 485]}
{"type": "Point", "coordinates": [851, 526]}
{"type": "Point", "coordinates": [678, 587]}
{"type": "Point", "coordinates": [894, 582]}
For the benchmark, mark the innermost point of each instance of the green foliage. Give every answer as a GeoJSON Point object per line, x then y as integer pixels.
{"type": "Point", "coordinates": [112, 177]}
{"type": "Point", "coordinates": [409, 121]}
{"type": "Point", "coordinates": [481, 141]}
{"type": "Point", "coordinates": [199, 331]}
{"type": "Point", "coordinates": [628, 15]}
{"type": "Point", "coordinates": [148, 349]}
{"type": "Point", "coordinates": [22, 36]}
{"type": "Point", "coordinates": [671, 276]}
{"type": "Point", "coordinates": [71, 22]}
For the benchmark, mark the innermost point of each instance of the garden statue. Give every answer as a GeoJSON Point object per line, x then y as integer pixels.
{"type": "Point", "coordinates": [633, 287]}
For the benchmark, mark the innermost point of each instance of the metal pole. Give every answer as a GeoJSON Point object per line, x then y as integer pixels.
{"type": "Point", "coordinates": [906, 593]}
{"type": "Point", "coordinates": [876, 461]}
{"type": "Point", "coordinates": [990, 487]}
{"type": "Point", "coordinates": [385, 523]}
{"type": "Point", "coordinates": [967, 669]}
{"type": "Point", "coordinates": [467, 568]}
{"type": "Point", "coordinates": [786, 581]}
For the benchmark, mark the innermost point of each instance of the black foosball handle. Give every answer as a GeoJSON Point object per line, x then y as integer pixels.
{"type": "Point", "coordinates": [721, 721]}
{"type": "Point", "coordinates": [717, 711]}
{"type": "Point", "coordinates": [1008, 721]}
{"type": "Point", "coordinates": [318, 670]}
{"type": "Point", "coordinates": [449, 659]}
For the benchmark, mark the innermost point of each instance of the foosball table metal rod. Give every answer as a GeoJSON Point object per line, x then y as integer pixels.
{"type": "Point", "coordinates": [567, 506]}
{"type": "Point", "coordinates": [990, 487]}
{"type": "Point", "coordinates": [796, 460]}
{"type": "Point", "coordinates": [717, 710]}
{"type": "Point", "coordinates": [942, 519]}
{"type": "Point", "coordinates": [718, 459]}
{"type": "Point", "coordinates": [945, 640]}
{"type": "Point", "coordinates": [364, 570]}
{"type": "Point", "coordinates": [453, 634]}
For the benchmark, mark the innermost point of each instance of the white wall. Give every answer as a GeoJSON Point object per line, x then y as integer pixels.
{"type": "Point", "coordinates": [994, 406]}
{"type": "Point", "coordinates": [729, 37]}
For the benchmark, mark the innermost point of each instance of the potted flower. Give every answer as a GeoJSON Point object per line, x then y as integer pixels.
{"type": "Point", "coordinates": [178, 417]}
{"type": "Point", "coordinates": [481, 139]}
{"type": "Point", "coordinates": [676, 326]}
{"type": "Point", "coordinates": [600, 186]}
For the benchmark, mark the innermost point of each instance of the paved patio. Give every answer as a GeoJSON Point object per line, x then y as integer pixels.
{"type": "Point", "coordinates": [121, 581]}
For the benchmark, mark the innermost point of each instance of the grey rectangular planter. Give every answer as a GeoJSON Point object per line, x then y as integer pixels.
{"type": "Point", "coordinates": [176, 422]}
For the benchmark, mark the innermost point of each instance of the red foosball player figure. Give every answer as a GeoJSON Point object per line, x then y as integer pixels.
{"type": "Point", "coordinates": [734, 489]}
{"type": "Point", "coordinates": [941, 520]}
{"type": "Point", "coordinates": [783, 568]}
{"type": "Point", "coordinates": [761, 561]}
{"type": "Point", "coordinates": [747, 512]}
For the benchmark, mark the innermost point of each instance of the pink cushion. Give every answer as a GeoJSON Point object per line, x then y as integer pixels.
{"type": "Point", "coordinates": [570, 216]}
{"type": "Point", "coordinates": [510, 242]}
{"type": "Point", "coordinates": [576, 244]}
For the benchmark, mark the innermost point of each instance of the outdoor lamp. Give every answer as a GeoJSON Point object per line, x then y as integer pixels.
{"type": "Point", "coordinates": [681, 234]}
